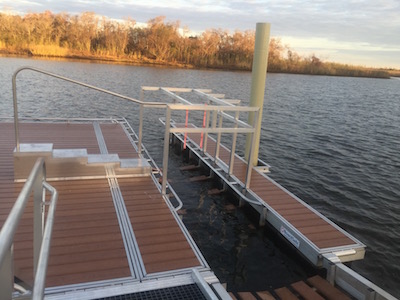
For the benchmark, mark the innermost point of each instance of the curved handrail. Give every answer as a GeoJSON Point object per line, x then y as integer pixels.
{"type": "Point", "coordinates": [14, 88]}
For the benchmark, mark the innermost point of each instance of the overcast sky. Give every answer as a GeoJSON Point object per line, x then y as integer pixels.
{"type": "Point", "coordinates": [362, 32]}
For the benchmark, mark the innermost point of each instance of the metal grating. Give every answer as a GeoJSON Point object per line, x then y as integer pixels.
{"type": "Point", "coordinates": [184, 292]}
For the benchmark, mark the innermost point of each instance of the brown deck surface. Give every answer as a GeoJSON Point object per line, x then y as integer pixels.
{"type": "Point", "coordinates": [161, 243]}
{"type": "Point", "coordinates": [316, 288]}
{"type": "Point", "coordinates": [311, 225]}
{"type": "Point", "coordinates": [87, 243]}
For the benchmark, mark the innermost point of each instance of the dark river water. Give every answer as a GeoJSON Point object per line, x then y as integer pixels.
{"type": "Point", "coordinates": [332, 141]}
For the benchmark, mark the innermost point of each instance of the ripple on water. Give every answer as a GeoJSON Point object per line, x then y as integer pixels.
{"type": "Point", "coordinates": [332, 141]}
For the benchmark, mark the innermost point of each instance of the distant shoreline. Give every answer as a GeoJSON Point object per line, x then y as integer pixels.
{"type": "Point", "coordinates": [90, 37]}
{"type": "Point", "coordinates": [392, 73]}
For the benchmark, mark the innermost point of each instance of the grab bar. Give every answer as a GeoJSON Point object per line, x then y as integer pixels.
{"type": "Point", "coordinates": [35, 183]}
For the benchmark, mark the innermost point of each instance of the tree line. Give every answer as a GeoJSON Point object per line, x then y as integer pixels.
{"type": "Point", "coordinates": [91, 36]}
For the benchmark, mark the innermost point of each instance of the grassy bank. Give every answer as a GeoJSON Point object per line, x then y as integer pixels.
{"type": "Point", "coordinates": [336, 70]}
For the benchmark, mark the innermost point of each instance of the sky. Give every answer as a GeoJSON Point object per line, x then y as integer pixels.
{"type": "Point", "coordinates": [357, 32]}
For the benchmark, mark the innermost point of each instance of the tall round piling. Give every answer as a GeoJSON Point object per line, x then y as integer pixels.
{"type": "Point", "coordinates": [259, 74]}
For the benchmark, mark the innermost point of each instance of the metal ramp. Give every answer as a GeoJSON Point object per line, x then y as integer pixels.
{"type": "Point", "coordinates": [302, 226]}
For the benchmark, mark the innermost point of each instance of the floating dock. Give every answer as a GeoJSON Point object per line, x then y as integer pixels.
{"type": "Point", "coordinates": [113, 230]}
{"type": "Point", "coordinates": [86, 213]}
{"type": "Point", "coordinates": [318, 239]}
{"type": "Point", "coordinates": [305, 228]}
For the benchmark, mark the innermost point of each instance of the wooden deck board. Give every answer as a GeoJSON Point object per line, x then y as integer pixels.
{"type": "Point", "coordinates": [326, 289]}
{"type": "Point", "coordinates": [246, 296]}
{"type": "Point", "coordinates": [160, 236]}
{"type": "Point", "coordinates": [111, 133]}
{"type": "Point", "coordinates": [282, 201]}
{"type": "Point", "coordinates": [285, 294]}
{"type": "Point", "coordinates": [287, 206]}
{"type": "Point", "coordinates": [265, 295]}
{"type": "Point", "coordinates": [87, 244]}
{"type": "Point", "coordinates": [306, 291]}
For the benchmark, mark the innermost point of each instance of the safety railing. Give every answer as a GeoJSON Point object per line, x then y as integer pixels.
{"type": "Point", "coordinates": [15, 101]}
{"type": "Point", "coordinates": [353, 283]}
{"type": "Point", "coordinates": [218, 107]}
{"type": "Point", "coordinates": [220, 112]}
{"type": "Point", "coordinates": [36, 184]}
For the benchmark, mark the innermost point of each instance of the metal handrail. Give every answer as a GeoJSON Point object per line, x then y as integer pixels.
{"type": "Point", "coordinates": [240, 126]}
{"type": "Point", "coordinates": [15, 102]}
{"type": "Point", "coordinates": [36, 183]}
{"type": "Point", "coordinates": [350, 281]}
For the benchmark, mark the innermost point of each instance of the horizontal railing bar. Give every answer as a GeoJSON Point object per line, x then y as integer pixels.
{"type": "Point", "coordinates": [178, 90]}
{"type": "Point", "coordinates": [41, 271]}
{"type": "Point", "coordinates": [211, 130]}
{"type": "Point", "coordinates": [233, 101]}
{"type": "Point", "coordinates": [86, 85]}
{"type": "Point", "coordinates": [150, 88]}
{"type": "Point", "coordinates": [154, 105]}
{"type": "Point", "coordinates": [174, 89]}
{"type": "Point", "coordinates": [218, 96]}
{"type": "Point", "coordinates": [212, 107]}
{"type": "Point", "coordinates": [15, 104]}
{"type": "Point", "coordinates": [204, 90]}
{"type": "Point", "coordinates": [235, 120]}
{"type": "Point", "coordinates": [212, 98]}
{"type": "Point", "coordinates": [176, 97]}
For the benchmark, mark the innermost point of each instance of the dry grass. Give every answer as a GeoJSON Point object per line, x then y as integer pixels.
{"type": "Point", "coordinates": [48, 50]}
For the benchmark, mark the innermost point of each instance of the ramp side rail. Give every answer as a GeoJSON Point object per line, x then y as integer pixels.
{"type": "Point", "coordinates": [35, 184]}
{"type": "Point", "coordinates": [219, 107]}
{"type": "Point", "coordinates": [216, 111]}
{"type": "Point", "coordinates": [356, 285]}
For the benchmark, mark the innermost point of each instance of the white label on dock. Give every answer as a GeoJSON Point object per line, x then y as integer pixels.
{"type": "Point", "coordinates": [290, 237]}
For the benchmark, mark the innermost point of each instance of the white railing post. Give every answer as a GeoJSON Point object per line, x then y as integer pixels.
{"type": "Point", "coordinates": [218, 138]}
{"type": "Point", "coordinates": [166, 150]}
{"type": "Point", "coordinates": [206, 134]}
{"type": "Point", "coordinates": [214, 125]}
{"type": "Point", "coordinates": [233, 148]}
{"type": "Point", "coordinates": [141, 110]}
{"type": "Point", "coordinates": [252, 153]}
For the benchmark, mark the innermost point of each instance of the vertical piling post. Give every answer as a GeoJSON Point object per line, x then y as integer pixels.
{"type": "Point", "coordinates": [259, 73]}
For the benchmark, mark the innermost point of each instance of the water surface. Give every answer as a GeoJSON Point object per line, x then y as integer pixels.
{"type": "Point", "coordinates": [332, 141]}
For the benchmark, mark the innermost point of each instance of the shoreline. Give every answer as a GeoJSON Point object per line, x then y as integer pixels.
{"type": "Point", "coordinates": [392, 73]}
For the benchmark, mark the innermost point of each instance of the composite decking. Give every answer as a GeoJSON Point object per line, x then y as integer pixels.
{"type": "Point", "coordinates": [321, 234]}
{"type": "Point", "coordinates": [89, 241]}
